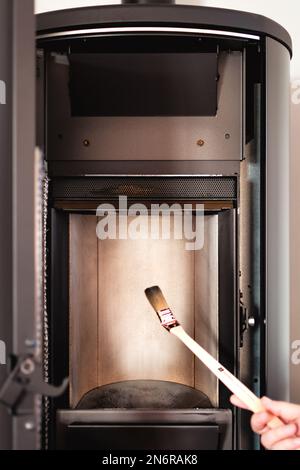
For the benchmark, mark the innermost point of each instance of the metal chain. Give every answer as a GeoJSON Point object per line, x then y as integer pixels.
{"type": "Point", "coordinates": [46, 401]}
{"type": "Point", "coordinates": [41, 350]}
{"type": "Point", "coordinates": [38, 205]}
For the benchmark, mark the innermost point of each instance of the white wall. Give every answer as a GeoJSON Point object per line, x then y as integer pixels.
{"type": "Point", "coordinates": [49, 5]}
{"type": "Point", "coordinates": [286, 13]}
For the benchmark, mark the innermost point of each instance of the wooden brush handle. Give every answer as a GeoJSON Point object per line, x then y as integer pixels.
{"type": "Point", "coordinates": [229, 380]}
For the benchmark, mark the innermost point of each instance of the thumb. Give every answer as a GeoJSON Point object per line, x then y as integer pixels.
{"type": "Point", "coordinates": [287, 411]}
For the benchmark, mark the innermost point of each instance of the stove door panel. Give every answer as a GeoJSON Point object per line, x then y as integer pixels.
{"type": "Point", "coordinates": [103, 437]}
{"type": "Point", "coordinates": [5, 210]}
{"type": "Point", "coordinates": [205, 429]}
{"type": "Point", "coordinates": [18, 295]}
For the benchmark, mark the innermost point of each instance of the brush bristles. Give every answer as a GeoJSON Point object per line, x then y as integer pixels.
{"type": "Point", "coordinates": [156, 298]}
{"type": "Point", "coordinates": [159, 303]}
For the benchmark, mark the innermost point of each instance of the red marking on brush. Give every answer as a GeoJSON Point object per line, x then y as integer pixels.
{"type": "Point", "coordinates": [167, 317]}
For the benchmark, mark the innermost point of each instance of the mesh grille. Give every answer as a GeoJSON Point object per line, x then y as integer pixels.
{"type": "Point", "coordinates": [208, 188]}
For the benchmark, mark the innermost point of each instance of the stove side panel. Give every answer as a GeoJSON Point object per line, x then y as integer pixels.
{"type": "Point", "coordinates": [5, 209]}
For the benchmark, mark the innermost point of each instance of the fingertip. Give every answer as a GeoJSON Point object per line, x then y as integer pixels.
{"type": "Point", "coordinates": [233, 399]}
{"type": "Point", "coordinates": [237, 402]}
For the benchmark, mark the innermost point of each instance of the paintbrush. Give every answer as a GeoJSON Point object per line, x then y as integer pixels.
{"type": "Point", "coordinates": [169, 322]}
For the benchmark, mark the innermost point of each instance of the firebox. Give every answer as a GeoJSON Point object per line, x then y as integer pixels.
{"type": "Point", "coordinates": [162, 159]}
{"type": "Point", "coordinates": [118, 357]}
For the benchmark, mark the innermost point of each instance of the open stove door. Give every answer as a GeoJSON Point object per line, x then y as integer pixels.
{"type": "Point", "coordinates": [21, 303]}
{"type": "Point", "coordinates": [18, 283]}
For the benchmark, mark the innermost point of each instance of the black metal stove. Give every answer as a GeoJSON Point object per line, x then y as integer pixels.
{"type": "Point", "coordinates": [161, 104]}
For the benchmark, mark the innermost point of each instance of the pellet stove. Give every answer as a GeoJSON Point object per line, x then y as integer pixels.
{"type": "Point", "coordinates": [179, 106]}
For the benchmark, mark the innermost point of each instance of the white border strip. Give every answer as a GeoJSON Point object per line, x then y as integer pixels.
{"type": "Point", "coordinates": [146, 29]}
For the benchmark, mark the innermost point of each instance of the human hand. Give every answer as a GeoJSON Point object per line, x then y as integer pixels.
{"type": "Point", "coordinates": [285, 437]}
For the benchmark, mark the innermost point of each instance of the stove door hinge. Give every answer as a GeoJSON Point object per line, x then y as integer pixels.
{"type": "Point", "coordinates": [243, 323]}
{"type": "Point", "coordinates": [27, 377]}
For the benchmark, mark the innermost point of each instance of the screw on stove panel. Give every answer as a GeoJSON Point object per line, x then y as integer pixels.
{"type": "Point", "coordinates": [29, 426]}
